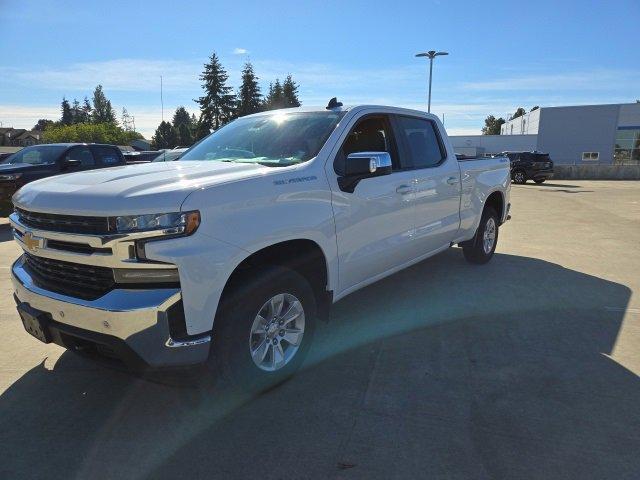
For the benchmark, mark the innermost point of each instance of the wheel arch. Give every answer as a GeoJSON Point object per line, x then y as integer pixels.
{"type": "Point", "coordinates": [496, 200]}
{"type": "Point", "coordinates": [304, 256]}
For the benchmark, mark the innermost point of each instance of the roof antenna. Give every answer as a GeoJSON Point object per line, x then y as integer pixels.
{"type": "Point", "coordinates": [334, 103]}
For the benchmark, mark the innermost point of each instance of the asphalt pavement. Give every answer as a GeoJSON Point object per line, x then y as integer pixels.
{"type": "Point", "coordinates": [523, 368]}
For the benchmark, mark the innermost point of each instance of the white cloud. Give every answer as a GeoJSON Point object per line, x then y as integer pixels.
{"type": "Point", "coordinates": [114, 75]}
{"type": "Point", "coordinates": [18, 116]}
{"type": "Point", "coordinates": [583, 80]}
{"type": "Point", "coordinates": [240, 51]}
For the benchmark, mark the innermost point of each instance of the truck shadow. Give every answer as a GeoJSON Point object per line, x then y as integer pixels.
{"type": "Point", "coordinates": [442, 370]}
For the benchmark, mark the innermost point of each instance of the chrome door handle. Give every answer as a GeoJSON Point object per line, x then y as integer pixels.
{"type": "Point", "coordinates": [404, 189]}
{"type": "Point", "coordinates": [452, 180]}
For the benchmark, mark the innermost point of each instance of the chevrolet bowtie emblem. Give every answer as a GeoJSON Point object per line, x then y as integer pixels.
{"type": "Point", "coordinates": [32, 243]}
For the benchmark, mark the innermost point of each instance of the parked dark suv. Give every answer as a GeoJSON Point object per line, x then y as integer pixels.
{"type": "Point", "coordinates": [529, 165]}
{"type": "Point", "coordinates": [40, 161]}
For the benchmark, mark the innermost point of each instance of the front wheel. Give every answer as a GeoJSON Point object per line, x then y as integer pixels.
{"type": "Point", "coordinates": [480, 249]}
{"type": "Point", "coordinates": [265, 328]}
{"type": "Point", "coordinates": [539, 180]}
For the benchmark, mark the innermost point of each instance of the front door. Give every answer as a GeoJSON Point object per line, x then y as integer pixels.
{"type": "Point", "coordinates": [374, 223]}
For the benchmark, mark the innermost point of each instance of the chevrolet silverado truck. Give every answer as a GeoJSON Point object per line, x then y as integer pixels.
{"type": "Point", "coordinates": [232, 254]}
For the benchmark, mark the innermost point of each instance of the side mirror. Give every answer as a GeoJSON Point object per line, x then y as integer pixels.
{"type": "Point", "coordinates": [361, 165]}
{"type": "Point", "coordinates": [368, 164]}
{"type": "Point", "coordinates": [70, 163]}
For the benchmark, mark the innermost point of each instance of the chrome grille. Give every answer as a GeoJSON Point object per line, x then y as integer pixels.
{"type": "Point", "coordinates": [65, 223]}
{"type": "Point", "coordinates": [74, 279]}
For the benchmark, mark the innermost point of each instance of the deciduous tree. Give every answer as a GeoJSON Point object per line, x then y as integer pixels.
{"type": "Point", "coordinates": [492, 125]}
{"type": "Point", "coordinates": [518, 113]}
{"type": "Point", "coordinates": [89, 132]}
{"type": "Point", "coordinates": [43, 124]}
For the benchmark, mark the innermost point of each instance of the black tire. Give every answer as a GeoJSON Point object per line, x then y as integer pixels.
{"type": "Point", "coordinates": [243, 301]}
{"type": "Point", "coordinates": [474, 250]}
{"type": "Point", "coordinates": [519, 177]}
{"type": "Point", "coordinates": [539, 180]}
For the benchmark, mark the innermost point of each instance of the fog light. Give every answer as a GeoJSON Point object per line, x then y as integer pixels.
{"type": "Point", "coordinates": [146, 275]}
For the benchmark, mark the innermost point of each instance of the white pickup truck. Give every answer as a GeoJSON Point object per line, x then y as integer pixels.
{"type": "Point", "coordinates": [235, 251]}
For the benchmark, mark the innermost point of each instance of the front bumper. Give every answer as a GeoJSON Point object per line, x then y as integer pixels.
{"type": "Point", "coordinates": [128, 325]}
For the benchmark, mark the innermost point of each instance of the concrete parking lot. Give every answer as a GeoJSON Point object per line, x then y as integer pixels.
{"type": "Point", "coordinates": [524, 368]}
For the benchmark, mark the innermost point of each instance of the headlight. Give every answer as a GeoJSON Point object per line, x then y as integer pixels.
{"type": "Point", "coordinates": [10, 177]}
{"type": "Point", "coordinates": [184, 223]}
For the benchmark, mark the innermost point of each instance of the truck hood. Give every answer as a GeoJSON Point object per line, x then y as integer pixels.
{"type": "Point", "coordinates": [129, 190]}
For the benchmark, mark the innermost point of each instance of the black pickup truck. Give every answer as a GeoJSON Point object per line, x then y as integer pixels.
{"type": "Point", "coordinates": [529, 165]}
{"type": "Point", "coordinates": [40, 161]}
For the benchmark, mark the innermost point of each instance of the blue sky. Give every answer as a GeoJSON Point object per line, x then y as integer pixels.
{"type": "Point", "coordinates": [502, 54]}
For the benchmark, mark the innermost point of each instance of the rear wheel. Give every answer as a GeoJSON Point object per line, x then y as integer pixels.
{"type": "Point", "coordinates": [539, 180]}
{"type": "Point", "coordinates": [480, 249]}
{"type": "Point", "coordinates": [265, 329]}
{"type": "Point", "coordinates": [519, 177]}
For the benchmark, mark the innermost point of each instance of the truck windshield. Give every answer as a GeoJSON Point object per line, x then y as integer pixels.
{"type": "Point", "coordinates": [36, 155]}
{"type": "Point", "coordinates": [274, 140]}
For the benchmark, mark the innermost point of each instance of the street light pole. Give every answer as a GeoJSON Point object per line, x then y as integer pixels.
{"type": "Point", "coordinates": [431, 54]}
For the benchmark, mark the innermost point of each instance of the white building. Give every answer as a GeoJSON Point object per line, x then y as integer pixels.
{"type": "Point", "coordinates": [586, 134]}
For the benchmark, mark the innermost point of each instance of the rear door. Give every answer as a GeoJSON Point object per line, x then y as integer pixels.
{"type": "Point", "coordinates": [375, 222]}
{"type": "Point", "coordinates": [84, 155]}
{"type": "Point", "coordinates": [436, 180]}
{"type": "Point", "coordinates": [108, 156]}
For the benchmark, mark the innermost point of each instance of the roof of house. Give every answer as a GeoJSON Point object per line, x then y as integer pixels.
{"type": "Point", "coordinates": [31, 133]}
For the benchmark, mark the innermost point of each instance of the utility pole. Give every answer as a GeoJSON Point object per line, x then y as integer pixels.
{"type": "Point", "coordinates": [161, 100]}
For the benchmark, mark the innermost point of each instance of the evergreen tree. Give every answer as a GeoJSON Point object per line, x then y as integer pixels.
{"type": "Point", "coordinates": [184, 126]}
{"type": "Point", "coordinates": [249, 96]}
{"type": "Point", "coordinates": [165, 136]}
{"type": "Point", "coordinates": [67, 116]}
{"type": "Point", "coordinates": [201, 129]}
{"type": "Point", "coordinates": [217, 105]}
{"type": "Point", "coordinates": [290, 92]}
{"type": "Point", "coordinates": [275, 98]}
{"type": "Point", "coordinates": [76, 112]}
{"type": "Point", "coordinates": [181, 117]}
{"type": "Point", "coordinates": [102, 109]}
{"type": "Point", "coordinates": [86, 110]}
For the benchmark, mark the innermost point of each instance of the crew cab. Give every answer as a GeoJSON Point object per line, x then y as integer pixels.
{"type": "Point", "coordinates": [232, 254]}
{"type": "Point", "coordinates": [40, 161]}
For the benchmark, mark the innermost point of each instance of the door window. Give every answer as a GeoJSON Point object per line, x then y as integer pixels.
{"type": "Point", "coordinates": [107, 155]}
{"type": "Point", "coordinates": [371, 134]}
{"type": "Point", "coordinates": [422, 146]}
{"type": "Point", "coordinates": [83, 154]}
